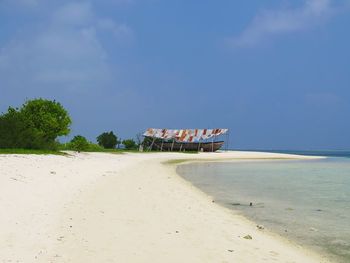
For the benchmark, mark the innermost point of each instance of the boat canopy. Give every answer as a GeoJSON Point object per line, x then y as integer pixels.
{"type": "Point", "coordinates": [184, 135]}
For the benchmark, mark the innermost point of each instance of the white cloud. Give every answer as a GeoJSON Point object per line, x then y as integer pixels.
{"type": "Point", "coordinates": [274, 22]}
{"type": "Point", "coordinates": [66, 53]}
{"type": "Point", "coordinates": [69, 60]}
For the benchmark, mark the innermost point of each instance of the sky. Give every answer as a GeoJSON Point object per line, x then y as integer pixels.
{"type": "Point", "coordinates": [276, 73]}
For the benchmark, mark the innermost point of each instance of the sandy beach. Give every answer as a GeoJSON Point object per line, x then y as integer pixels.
{"type": "Point", "coordinates": [98, 207]}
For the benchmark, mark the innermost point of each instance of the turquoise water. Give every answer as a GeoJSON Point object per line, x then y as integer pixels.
{"type": "Point", "coordinates": [305, 201]}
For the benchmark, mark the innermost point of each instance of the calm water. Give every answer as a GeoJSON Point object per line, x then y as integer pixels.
{"type": "Point", "coordinates": [306, 201]}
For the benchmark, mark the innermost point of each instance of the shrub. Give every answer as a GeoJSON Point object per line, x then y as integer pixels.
{"type": "Point", "coordinates": [79, 143]}
{"type": "Point", "coordinates": [95, 147]}
{"type": "Point", "coordinates": [108, 140]}
{"type": "Point", "coordinates": [129, 144]}
{"type": "Point", "coordinates": [92, 147]}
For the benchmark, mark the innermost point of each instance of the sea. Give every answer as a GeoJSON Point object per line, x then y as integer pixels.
{"type": "Point", "coordinates": [306, 201]}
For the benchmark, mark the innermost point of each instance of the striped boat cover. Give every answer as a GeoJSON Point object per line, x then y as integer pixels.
{"type": "Point", "coordinates": [185, 135]}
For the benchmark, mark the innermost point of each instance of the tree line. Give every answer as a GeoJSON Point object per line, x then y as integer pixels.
{"type": "Point", "coordinates": [38, 124]}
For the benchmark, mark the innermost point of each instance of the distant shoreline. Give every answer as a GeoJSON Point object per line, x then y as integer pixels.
{"type": "Point", "coordinates": [325, 153]}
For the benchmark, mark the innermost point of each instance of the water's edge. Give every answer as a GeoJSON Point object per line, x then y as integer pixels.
{"type": "Point", "coordinates": [240, 207]}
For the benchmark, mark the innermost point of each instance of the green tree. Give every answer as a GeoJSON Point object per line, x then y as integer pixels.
{"type": "Point", "coordinates": [48, 118]}
{"type": "Point", "coordinates": [36, 125]}
{"type": "Point", "coordinates": [16, 131]}
{"type": "Point", "coordinates": [108, 140]}
{"type": "Point", "coordinates": [129, 144]}
{"type": "Point", "coordinates": [79, 143]}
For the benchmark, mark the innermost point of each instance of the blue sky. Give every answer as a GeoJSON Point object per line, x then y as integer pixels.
{"type": "Point", "coordinates": [277, 73]}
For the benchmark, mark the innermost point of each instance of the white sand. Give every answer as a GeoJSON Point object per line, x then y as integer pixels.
{"type": "Point", "coordinates": [124, 208]}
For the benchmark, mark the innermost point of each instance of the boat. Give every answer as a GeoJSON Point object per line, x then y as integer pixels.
{"type": "Point", "coordinates": [204, 140]}
{"type": "Point", "coordinates": [187, 146]}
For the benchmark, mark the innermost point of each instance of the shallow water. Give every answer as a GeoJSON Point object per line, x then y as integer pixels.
{"type": "Point", "coordinates": [306, 201]}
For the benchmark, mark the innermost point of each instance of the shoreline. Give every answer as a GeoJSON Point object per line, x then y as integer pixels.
{"type": "Point", "coordinates": [126, 208]}
{"type": "Point", "coordinates": [230, 209]}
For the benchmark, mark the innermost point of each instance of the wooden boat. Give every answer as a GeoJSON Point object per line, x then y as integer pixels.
{"type": "Point", "coordinates": [187, 146]}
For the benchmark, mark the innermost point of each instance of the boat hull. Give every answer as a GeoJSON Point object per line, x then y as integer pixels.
{"type": "Point", "coordinates": [188, 146]}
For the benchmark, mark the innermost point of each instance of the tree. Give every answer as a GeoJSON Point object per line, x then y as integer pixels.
{"type": "Point", "coordinates": [36, 125]}
{"type": "Point", "coordinates": [129, 144]}
{"type": "Point", "coordinates": [108, 140]}
{"type": "Point", "coordinates": [16, 131]}
{"type": "Point", "coordinates": [49, 118]}
{"type": "Point", "coordinates": [79, 143]}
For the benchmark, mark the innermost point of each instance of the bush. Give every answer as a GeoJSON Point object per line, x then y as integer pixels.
{"type": "Point", "coordinates": [108, 140]}
{"type": "Point", "coordinates": [36, 125]}
{"type": "Point", "coordinates": [129, 144]}
{"type": "Point", "coordinates": [95, 147]}
{"type": "Point", "coordinates": [92, 147]}
{"type": "Point", "coordinates": [78, 143]}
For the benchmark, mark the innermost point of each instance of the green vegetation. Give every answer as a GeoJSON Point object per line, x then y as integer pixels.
{"type": "Point", "coordinates": [49, 118]}
{"type": "Point", "coordinates": [78, 143]}
{"type": "Point", "coordinates": [94, 148]}
{"type": "Point", "coordinates": [81, 144]}
{"type": "Point", "coordinates": [130, 144]}
{"type": "Point", "coordinates": [108, 140]}
{"type": "Point", "coordinates": [34, 128]}
{"type": "Point", "coordinates": [29, 151]}
{"type": "Point", "coordinates": [36, 125]}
